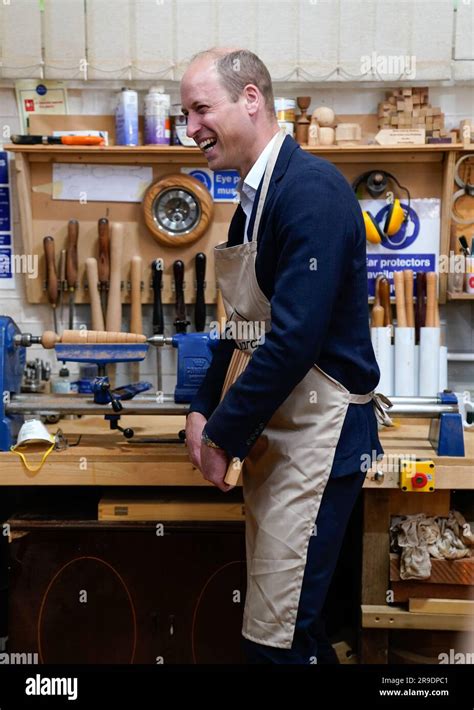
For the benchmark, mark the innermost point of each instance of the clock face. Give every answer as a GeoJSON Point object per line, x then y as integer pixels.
{"type": "Point", "coordinates": [176, 211]}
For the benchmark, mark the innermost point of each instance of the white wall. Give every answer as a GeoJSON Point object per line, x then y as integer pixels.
{"type": "Point", "coordinates": [458, 317]}
{"type": "Point", "coordinates": [304, 40]}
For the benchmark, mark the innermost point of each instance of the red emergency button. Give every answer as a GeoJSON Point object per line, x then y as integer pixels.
{"type": "Point", "coordinates": [419, 480]}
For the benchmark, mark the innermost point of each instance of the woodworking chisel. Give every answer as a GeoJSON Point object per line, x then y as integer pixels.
{"type": "Point", "coordinates": [420, 311]}
{"type": "Point", "coordinates": [200, 305]}
{"type": "Point", "coordinates": [51, 276]}
{"type": "Point", "coordinates": [158, 322]}
{"type": "Point", "coordinates": [181, 323]}
{"type": "Point", "coordinates": [384, 291]}
{"type": "Point", "coordinates": [56, 140]}
{"type": "Point", "coordinates": [71, 265]}
{"type": "Point", "coordinates": [62, 282]}
{"type": "Point", "coordinates": [104, 262]}
{"type": "Point", "coordinates": [377, 310]}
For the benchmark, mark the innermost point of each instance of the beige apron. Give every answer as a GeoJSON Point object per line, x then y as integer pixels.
{"type": "Point", "coordinates": [285, 473]}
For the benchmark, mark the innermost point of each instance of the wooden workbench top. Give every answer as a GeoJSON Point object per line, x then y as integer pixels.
{"type": "Point", "coordinates": [106, 458]}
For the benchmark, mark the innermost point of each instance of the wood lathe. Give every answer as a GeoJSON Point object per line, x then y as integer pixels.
{"type": "Point", "coordinates": [101, 348]}
{"type": "Point", "coordinates": [194, 355]}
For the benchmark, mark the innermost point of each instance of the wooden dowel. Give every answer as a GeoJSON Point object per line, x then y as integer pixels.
{"type": "Point", "coordinates": [430, 299]}
{"type": "Point", "coordinates": [409, 305]}
{"type": "Point", "coordinates": [136, 324]}
{"type": "Point", "coordinates": [114, 302]}
{"type": "Point", "coordinates": [400, 299]}
{"type": "Point", "coordinates": [92, 280]}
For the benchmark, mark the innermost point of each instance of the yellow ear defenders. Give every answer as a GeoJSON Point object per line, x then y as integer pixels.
{"type": "Point", "coordinates": [376, 182]}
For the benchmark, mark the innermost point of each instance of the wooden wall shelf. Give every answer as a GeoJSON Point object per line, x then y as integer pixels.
{"type": "Point", "coordinates": [379, 616]}
{"type": "Point", "coordinates": [181, 150]}
{"type": "Point", "coordinates": [460, 296]}
{"type": "Point", "coordinates": [41, 215]}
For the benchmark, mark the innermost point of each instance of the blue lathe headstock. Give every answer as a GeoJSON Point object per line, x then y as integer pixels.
{"type": "Point", "coordinates": [12, 364]}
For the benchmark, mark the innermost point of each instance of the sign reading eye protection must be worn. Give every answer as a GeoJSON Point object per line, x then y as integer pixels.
{"type": "Point", "coordinates": [222, 184]}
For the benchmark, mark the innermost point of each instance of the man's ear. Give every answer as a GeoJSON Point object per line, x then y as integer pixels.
{"type": "Point", "coordinates": [253, 99]}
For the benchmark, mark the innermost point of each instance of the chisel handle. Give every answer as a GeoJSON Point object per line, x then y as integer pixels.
{"type": "Point", "coordinates": [104, 251]}
{"type": "Point", "coordinates": [200, 305]}
{"type": "Point", "coordinates": [377, 316]}
{"type": "Point", "coordinates": [384, 292]}
{"type": "Point", "coordinates": [180, 322]}
{"type": "Point", "coordinates": [420, 312]}
{"type": "Point", "coordinates": [52, 283]}
{"type": "Point", "coordinates": [157, 280]}
{"type": "Point", "coordinates": [71, 253]}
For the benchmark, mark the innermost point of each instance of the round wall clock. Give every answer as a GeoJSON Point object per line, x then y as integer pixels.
{"type": "Point", "coordinates": [178, 209]}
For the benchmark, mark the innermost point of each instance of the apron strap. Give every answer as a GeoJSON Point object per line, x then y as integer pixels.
{"type": "Point", "coordinates": [381, 404]}
{"type": "Point", "coordinates": [266, 181]}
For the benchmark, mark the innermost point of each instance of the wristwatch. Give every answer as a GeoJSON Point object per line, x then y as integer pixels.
{"type": "Point", "coordinates": [206, 440]}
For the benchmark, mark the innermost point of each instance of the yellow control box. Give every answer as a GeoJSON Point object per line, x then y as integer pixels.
{"type": "Point", "coordinates": [417, 475]}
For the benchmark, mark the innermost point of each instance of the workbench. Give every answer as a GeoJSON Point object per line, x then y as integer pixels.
{"type": "Point", "coordinates": [104, 458]}
{"type": "Point", "coordinates": [383, 499]}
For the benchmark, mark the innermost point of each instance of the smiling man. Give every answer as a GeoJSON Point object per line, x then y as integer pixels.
{"type": "Point", "coordinates": [302, 415]}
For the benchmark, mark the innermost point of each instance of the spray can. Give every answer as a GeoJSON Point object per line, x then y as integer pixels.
{"type": "Point", "coordinates": [126, 118]}
{"type": "Point", "coordinates": [157, 117]}
{"type": "Point", "coordinates": [179, 126]}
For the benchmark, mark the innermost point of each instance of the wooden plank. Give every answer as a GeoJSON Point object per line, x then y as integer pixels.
{"type": "Point", "coordinates": [23, 181]}
{"type": "Point", "coordinates": [460, 296]}
{"type": "Point", "coordinates": [442, 571]}
{"type": "Point", "coordinates": [375, 547]}
{"type": "Point", "coordinates": [345, 653]}
{"type": "Point", "coordinates": [402, 503]}
{"type": "Point", "coordinates": [381, 616]}
{"type": "Point", "coordinates": [461, 607]}
{"type": "Point", "coordinates": [411, 589]}
{"type": "Point", "coordinates": [156, 509]}
{"type": "Point", "coordinates": [445, 227]}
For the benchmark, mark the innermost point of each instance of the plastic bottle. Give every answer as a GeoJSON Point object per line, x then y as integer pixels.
{"type": "Point", "coordinates": [62, 384]}
{"type": "Point", "coordinates": [126, 118]}
{"type": "Point", "coordinates": [157, 117]}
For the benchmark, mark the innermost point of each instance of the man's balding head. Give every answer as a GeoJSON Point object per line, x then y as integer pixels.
{"type": "Point", "coordinates": [237, 68]}
{"type": "Point", "coordinates": [228, 97]}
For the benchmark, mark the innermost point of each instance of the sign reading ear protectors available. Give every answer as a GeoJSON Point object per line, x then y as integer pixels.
{"type": "Point", "coordinates": [415, 246]}
{"type": "Point", "coordinates": [221, 184]}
